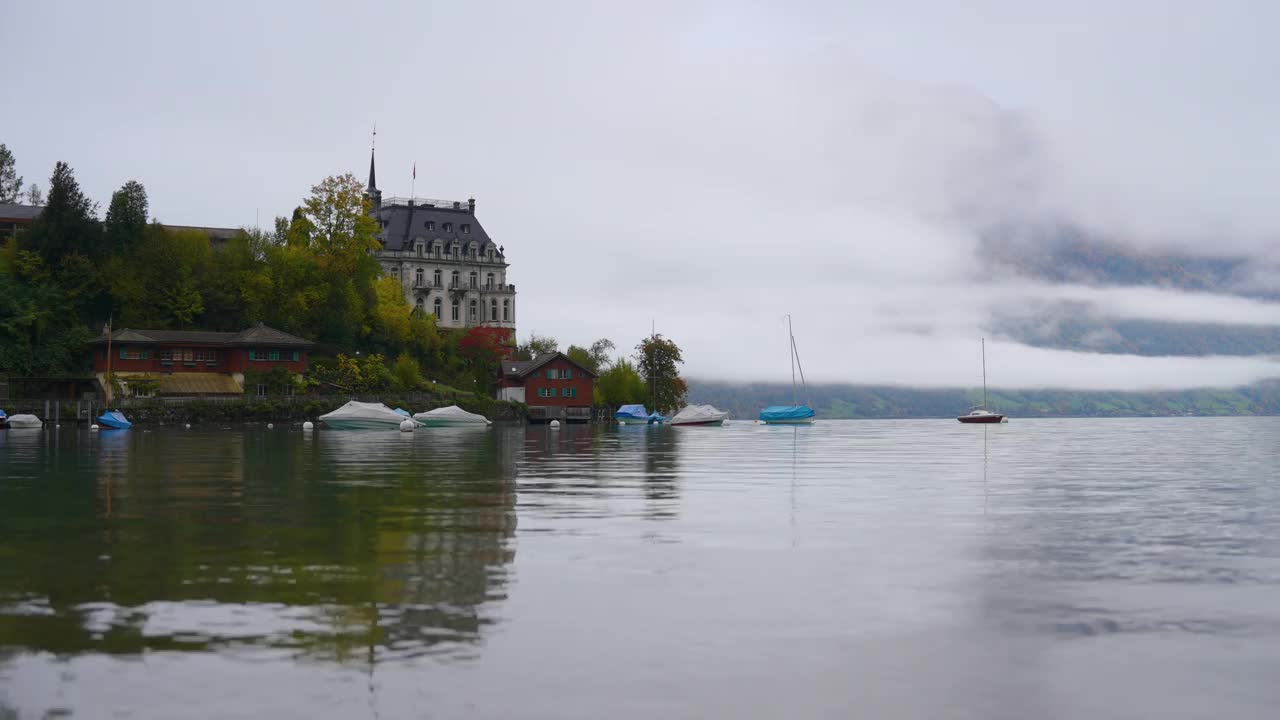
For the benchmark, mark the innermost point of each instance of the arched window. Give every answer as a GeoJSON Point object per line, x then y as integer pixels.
{"type": "Point", "coordinates": [454, 311]}
{"type": "Point", "coordinates": [493, 310]}
{"type": "Point", "coordinates": [417, 277]}
{"type": "Point", "coordinates": [506, 311]}
{"type": "Point", "coordinates": [437, 277]}
{"type": "Point", "coordinates": [474, 278]}
{"type": "Point", "coordinates": [473, 311]}
{"type": "Point", "coordinates": [454, 281]}
{"type": "Point", "coordinates": [489, 283]}
{"type": "Point", "coordinates": [418, 304]}
{"type": "Point", "coordinates": [438, 309]}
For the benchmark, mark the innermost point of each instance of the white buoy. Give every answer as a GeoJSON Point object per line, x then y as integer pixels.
{"type": "Point", "coordinates": [93, 426]}
{"type": "Point", "coordinates": [270, 426]}
{"type": "Point", "coordinates": [554, 424]}
{"type": "Point", "coordinates": [307, 425]}
{"type": "Point", "coordinates": [187, 426]}
{"type": "Point", "coordinates": [406, 425]}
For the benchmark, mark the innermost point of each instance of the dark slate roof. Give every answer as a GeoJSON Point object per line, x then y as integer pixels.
{"type": "Point", "coordinates": [406, 223]}
{"type": "Point", "coordinates": [528, 366]}
{"type": "Point", "coordinates": [257, 335]}
{"type": "Point", "coordinates": [515, 368]}
{"type": "Point", "coordinates": [262, 335]}
{"type": "Point", "coordinates": [9, 211]}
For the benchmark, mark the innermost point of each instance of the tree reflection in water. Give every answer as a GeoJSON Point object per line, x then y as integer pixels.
{"type": "Point", "coordinates": [333, 545]}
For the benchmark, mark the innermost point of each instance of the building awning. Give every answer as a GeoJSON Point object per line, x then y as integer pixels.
{"type": "Point", "coordinates": [188, 383]}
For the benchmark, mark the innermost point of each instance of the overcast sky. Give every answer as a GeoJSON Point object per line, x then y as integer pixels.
{"type": "Point", "coordinates": [708, 166]}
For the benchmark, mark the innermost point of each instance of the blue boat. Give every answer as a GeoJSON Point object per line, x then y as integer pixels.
{"type": "Point", "coordinates": [632, 415]}
{"type": "Point", "coordinates": [3, 418]}
{"type": "Point", "coordinates": [114, 420]}
{"type": "Point", "coordinates": [657, 418]}
{"type": "Point", "coordinates": [795, 413]}
{"type": "Point", "coordinates": [787, 415]}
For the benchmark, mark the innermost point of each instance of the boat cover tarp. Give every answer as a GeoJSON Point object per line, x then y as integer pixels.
{"type": "Point", "coordinates": [2, 415]}
{"type": "Point", "coordinates": [775, 413]}
{"type": "Point", "coordinates": [114, 419]}
{"type": "Point", "coordinates": [698, 414]}
{"type": "Point", "coordinates": [24, 421]}
{"type": "Point", "coordinates": [403, 413]}
{"type": "Point", "coordinates": [657, 417]}
{"type": "Point", "coordinates": [632, 411]}
{"type": "Point", "coordinates": [452, 415]}
{"type": "Point", "coordinates": [356, 410]}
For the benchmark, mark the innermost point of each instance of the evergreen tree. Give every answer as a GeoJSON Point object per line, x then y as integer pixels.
{"type": "Point", "coordinates": [126, 217]}
{"type": "Point", "coordinates": [10, 180]}
{"type": "Point", "coordinates": [68, 222]}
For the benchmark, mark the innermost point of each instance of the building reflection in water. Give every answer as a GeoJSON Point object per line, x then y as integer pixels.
{"type": "Point", "coordinates": [335, 545]}
{"type": "Point", "coordinates": [592, 472]}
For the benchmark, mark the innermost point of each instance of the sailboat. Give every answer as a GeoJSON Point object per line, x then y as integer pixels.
{"type": "Point", "coordinates": [982, 414]}
{"type": "Point", "coordinates": [112, 419]}
{"type": "Point", "coordinates": [795, 413]}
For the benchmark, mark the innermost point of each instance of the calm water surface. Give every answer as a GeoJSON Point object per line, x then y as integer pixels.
{"type": "Point", "coordinates": [915, 569]}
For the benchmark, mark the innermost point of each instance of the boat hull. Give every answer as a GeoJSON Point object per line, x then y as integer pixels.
{"type": "Point", "coordinates": [452, 423]}
{"type": "Point", "coordinates": [981, 419]}
{"type": "Point", "coordinates": [361, 424]}
{"type": "Point", "coordinates": [788, 421]}
{"type": "Point", "coordinates": [699, 423]}
{"type": "Point", "coordinates": [632, 421]}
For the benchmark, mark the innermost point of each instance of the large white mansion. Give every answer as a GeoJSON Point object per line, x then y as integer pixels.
{"type": "Point", "coordinates": [445, 261]}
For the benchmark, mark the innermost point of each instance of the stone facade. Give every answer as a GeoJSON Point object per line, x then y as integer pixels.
{"type": "Point", "coordinates": [445, 261]}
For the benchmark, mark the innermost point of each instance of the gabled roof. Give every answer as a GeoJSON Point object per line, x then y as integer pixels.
{"type": "Point", "coordinates": [262, 335]}
{"type": "Point", "coordinates": [522, 368]}
{"type": "Point", "coordinates": [257, 335]}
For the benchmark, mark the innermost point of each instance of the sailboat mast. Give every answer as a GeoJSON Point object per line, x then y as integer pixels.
{"type": "Point", "coordinates": [792, 349]}
{"type": "Point", "coordinates": [108, 387]}
{"type": "Point", "coordinates": [984, 373]}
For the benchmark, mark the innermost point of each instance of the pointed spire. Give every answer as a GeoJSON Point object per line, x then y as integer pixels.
{"type": "Point", "coordinates": [373, 179]}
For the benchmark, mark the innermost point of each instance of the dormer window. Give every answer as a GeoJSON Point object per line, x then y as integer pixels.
{"type": "Point", "coordinates": [448, 227]}
{"type": "Point", "coordinates": [419, 249]}
{"type": "Point", "coordinates": [466, 228]}
{"type": "Point", "coordinates": [430, 225]}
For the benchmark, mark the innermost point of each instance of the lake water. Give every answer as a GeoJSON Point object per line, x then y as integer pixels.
{"type": "Point", "coordinates": [879, 569]}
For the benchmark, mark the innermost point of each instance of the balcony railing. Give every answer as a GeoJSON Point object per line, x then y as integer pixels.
{"type": "Point", "coordinates": [427, 202]}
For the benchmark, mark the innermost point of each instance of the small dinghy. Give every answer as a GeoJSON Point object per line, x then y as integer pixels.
{"type": "Point", "coordinates": [632, 415]}
{"type": "Point", "coordinates": [24, 422]}
{"type": "Point", "coordinates": [114, 420]}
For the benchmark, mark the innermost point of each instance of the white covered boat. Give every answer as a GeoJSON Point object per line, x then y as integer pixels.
{"type": "Point", "coordinates": [452, 415]}
{"type": "Point", "coordinates": [699, 415]}
{"type": "Point", "coordinates": [20, 422]}
{"type": "Point", "coordinates": [357, 415]}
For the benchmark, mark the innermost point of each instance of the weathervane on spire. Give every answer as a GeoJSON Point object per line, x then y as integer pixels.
{"type": "Point", "coordinates": [374, 141]}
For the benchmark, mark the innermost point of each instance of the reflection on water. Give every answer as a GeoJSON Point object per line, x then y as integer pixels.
{"type": "Point", "coordinates": [333, 545]}
{"type": "Point", "coordinates": [1049, 569]}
